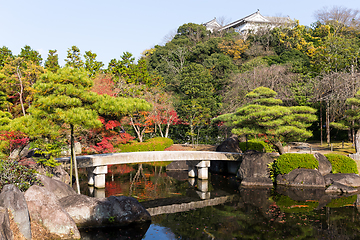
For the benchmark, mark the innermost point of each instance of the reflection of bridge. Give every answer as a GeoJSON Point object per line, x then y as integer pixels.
{"type": "Point", "coordinates": [97, 164]}
{"type": "Point", "coordinates": [183, 204]}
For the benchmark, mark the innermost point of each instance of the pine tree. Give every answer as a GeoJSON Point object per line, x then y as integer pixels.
{"type": "Point", "coordinates": [264, 115]}
{"type": "Point", "coordinates": [73, 58]}
{"type": "Point", "coordinates": [64, 99]}
{"type": "Point", "coordinates": [52, 61]}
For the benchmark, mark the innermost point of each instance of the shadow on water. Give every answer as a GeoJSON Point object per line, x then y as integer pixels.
{"type": "Point", "coordinates": [220, 208]}
{"type": "Point", "coordinates": [136, 231]}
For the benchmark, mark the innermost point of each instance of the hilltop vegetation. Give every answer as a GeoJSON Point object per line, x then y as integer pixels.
{"type": "Point", "coordinates": [176, 89]}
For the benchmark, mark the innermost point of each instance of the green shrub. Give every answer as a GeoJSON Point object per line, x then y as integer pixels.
{"type": "Point", "coordinates": [13, 173]}
{"type": "Point", "coordinates": [255, 144]}
{"type": "Point", "coordinates": [153, 144]}
{"type": "Point", "coordinates": [290, 161]}
{"type": "Point", "coordinates": [341, 163]}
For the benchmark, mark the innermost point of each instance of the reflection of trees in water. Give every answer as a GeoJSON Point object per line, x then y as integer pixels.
{"type": "Point", "coordinates": [255, 215]}
{"type": "Point", "coordinates": [150, 182]}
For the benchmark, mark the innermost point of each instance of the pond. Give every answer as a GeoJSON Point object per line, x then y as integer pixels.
{"type": "Point", "coordinates": [219, 208]}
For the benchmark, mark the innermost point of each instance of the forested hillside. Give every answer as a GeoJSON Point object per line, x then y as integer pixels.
{"type": "Point", "coordinates": [176, 89]}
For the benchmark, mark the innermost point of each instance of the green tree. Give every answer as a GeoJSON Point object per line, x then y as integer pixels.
{"type": "Point", "coordinates": [196, 103]}
{"type": "Point", "coordinates": [352, 119]}
{"type": "Point", "coordinates": [5, 55]}
{"type": "Point", "coordinates": [17, 78]}
{"type": "Point", "coordinates": [265, 115]}
{"type": "Point", "coordinates": [29, 54]}
{"type": "Point", "coordinates": [52, 61]}
{"type": "Point", "coordinates": [64, 99]}
{"type": "Point", "coordinates": [336, 54]}
{"type": "Point", "coordinates": [73, 58]}
{"type": "Point", "coordinates": [91, 65]}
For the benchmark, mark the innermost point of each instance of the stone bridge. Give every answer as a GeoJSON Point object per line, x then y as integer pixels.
{"type": "Point", "coordinates": [196, 160]}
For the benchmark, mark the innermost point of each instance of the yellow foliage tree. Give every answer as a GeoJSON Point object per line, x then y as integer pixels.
{"type": "Point", "coordinates": [233, 48]}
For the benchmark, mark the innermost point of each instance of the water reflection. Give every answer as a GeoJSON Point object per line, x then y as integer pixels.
{"type": "Point", "coordinates": [220, 208]}
{"type": "Point", "coordinates": [135, 232]}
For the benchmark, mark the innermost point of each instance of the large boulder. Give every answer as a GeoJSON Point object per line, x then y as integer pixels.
{"type": "Point", "coordinates": [254, 165]}
{"type": "Point", "coordinates": [5, 231]}
{"type": "Point", "coordinates": [347, 179]}
{"type": "Point", "coordinates": [45, 209]}
{"type": "Point", "coordinates": [302, 178]}
{"type": "Point", "coordinates": [230, 144]}
{"type": "Point", "coordinates": [12, 198]}
{"type": "Point", "coordinates": [325, 166]}
{"type": "Point", "coordinates": [59, 188]}
{"type": "Point", "coordinates": [111, 211]}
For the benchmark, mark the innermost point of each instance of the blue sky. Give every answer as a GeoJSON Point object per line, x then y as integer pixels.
{"type": "Point", "coordinates": [111, 27]}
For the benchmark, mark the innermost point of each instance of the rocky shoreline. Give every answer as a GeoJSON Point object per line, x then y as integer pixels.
{"type": "Point", "coordinates": [61, 211]}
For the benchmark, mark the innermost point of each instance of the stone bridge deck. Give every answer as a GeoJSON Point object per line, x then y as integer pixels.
{"type": "Point", "coordinates": [97, 164]}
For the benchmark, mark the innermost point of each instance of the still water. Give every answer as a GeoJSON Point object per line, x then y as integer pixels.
{"type": "Point", "coordinates": [183, 208]}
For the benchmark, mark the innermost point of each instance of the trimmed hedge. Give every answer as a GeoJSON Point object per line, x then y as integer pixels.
{"type": "Point", "coordinates": [153, 144]}
{"type": "Point", "coordinates": [255, 144]}
{"type": "Point", "coordinates": [341, 163]}
{"type": "Point", "coordinates": [290, 161]}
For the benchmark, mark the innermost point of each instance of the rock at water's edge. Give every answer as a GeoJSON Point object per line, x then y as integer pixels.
{"type": "Point", "coordinates": [5, 231]}
{"type": "Point", "coordinates": [12, 198]}
{"type": "Point", "coordinates": [45, 209]}
{"type": "Point", "coordinates": [347, 179]}
{"type": "Point", "coordinates": [301, 178]}
{"type": "Point", "coordinates": [111, 211]}
{"type": "Point", "coordinates": [339, 188]}
{"type": "Point", "coordinates": [254, 165]}
{"type": "Point", "coordinates": [325, 166]}
{"type": "Point", "coordinates": [58, 188]}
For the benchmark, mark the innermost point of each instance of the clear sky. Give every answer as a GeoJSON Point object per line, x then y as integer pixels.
{"type": "Point", "coordinates": [111, 27]}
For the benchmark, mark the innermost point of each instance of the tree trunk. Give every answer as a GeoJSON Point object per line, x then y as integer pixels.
{"type": "Point", "coordinates": [328, 123]}
{"type": "Point", "coordinates": [160, 130]}
{"type": "Point", "coordinates": [280, 147]}
{"type": "Point", "coordinates": [21, 93]}
{"type": "Point", "coordinates": [357, 141]}
{"type": "Point", "coordinates": [167, 130]}
{"type": "Point", "coordinates": [73, 157]}
{"type": "Point", "coordinates": [321, 125]}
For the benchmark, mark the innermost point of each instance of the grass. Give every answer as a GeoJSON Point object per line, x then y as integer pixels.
{"type": "Point", "coordinates": [338, 147]}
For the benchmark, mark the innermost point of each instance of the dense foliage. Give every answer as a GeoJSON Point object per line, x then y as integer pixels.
{"type": "Point", "coordinates": [341, 163]}
{"type": "Point", "coordinates": [290, 161]}
{"type": "Point", "coordinates": [13, 173]}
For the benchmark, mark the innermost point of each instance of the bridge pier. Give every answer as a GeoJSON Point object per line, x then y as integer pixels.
{"type": "Point", "coordinates": [96, 176]}
{"type": "Point", "coordinates": [202, 169]}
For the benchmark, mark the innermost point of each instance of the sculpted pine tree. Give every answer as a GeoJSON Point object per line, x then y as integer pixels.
{"type": "Point", "coordinates": [265, 115]}
{"type": "Point", "coordinates": [64, 99]}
